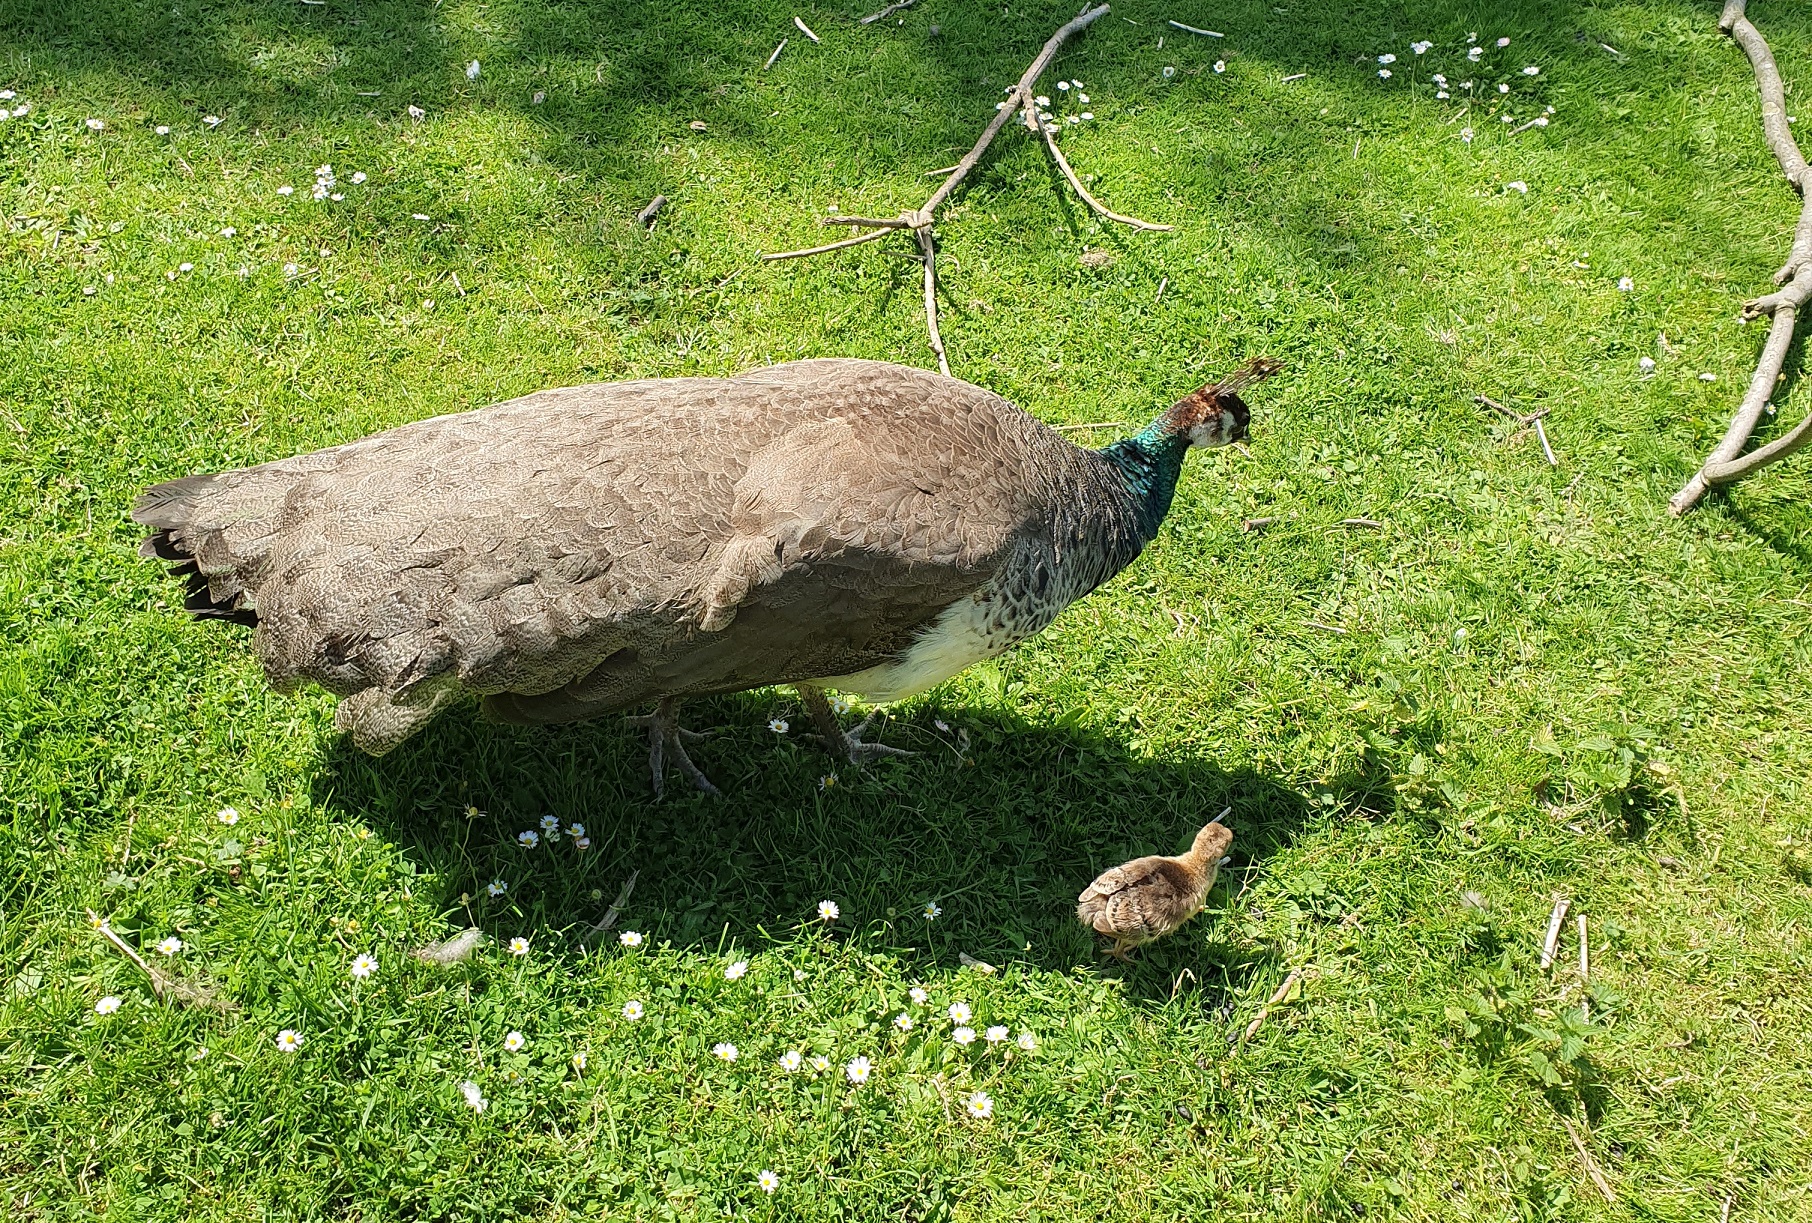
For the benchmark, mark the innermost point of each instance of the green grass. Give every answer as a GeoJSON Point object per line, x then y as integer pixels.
{"type": "Point", "coordinates": [1509, 632]}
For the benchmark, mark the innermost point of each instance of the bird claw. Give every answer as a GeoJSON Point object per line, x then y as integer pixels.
{"type": "Point", "coordinates": [666, 735]}
{"type": "Point", "coordinates": [853, 748]}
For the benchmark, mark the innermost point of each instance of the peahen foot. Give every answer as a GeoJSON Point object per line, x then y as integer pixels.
{"type": "Point", "coordinates": [847, 744]}
{"type": "Point", "coordinates": [666, 735]}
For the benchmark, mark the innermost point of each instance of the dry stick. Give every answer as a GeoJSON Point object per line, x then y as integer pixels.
{"type": "Point", "coordinates": [1277, 998]}
{"type": "Point", "coordinates": [1050, 142]}
{"type": "Point", "coordinates": [166, 988]}
{"type": "Point", "coordinates": [889, 11]}
{"type": "Point", "coordinates": [1585, 962]}
{"type": "Point", "coordinates": [1591, 1165]}
{"type": "Point", "coordinates": [775, 56]}
{"type": "Point", "coordinates": [1189, 29]}
{"type": "Point", "coordinates": [1723, 466]}
{"type": "Point", "coordinates": [929, 247]}
{"type": "Point", "coordinates": [1548, 944]}
{"type": "Point", "coordinates": [806, 30]}
{"type": "Point", "coordinates": [1545, 448]}
{"type": "Point", "coordinates": [645, 218]}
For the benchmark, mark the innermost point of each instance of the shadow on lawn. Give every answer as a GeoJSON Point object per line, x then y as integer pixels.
{"type": "Point", "coordinates": [1002, 834]}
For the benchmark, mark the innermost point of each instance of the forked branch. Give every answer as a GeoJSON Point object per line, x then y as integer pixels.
{"type": "Point", "coordinates": [1727, 464]}
{"type": "Point", "coordinates": [1021, 100]}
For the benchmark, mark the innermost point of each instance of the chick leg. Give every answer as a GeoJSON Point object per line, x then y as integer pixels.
{"type": "Point", "coordinates": [666, 735]}
{"type": "Point", "coordinates": [837, 741]}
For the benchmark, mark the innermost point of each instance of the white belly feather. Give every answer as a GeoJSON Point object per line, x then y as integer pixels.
{"type": "Point", "coordinates": [961, 637]}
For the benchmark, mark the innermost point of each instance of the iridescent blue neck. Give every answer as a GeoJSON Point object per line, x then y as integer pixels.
{"type": "Point", "coordinates": [1150, 462]}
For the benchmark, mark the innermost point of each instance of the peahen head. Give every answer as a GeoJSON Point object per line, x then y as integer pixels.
{"type": "Point", "coordinates": [1151, 460]}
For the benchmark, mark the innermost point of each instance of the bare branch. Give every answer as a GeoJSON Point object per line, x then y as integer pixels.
{"type": "Point", "coordinates": [1545, 448]}
{"type": "Point", "coordinates": [889, 11]}
{"type": "Point", "coordinates": [1591, 1165]}
{"type": "Point", "coordinates": [1553, 938]}
{"type": "Point", "coordinates": [1189, 29]}
{"type": "Point", "coordinates": [775, 56]}
{"type": "Point", "coordinates": [806, 30]}
{"type": "Point", "coordinates": [833, 246]}
{"type": "Point", "coordinates": [1050, 142]}
{"type": "Point", "coordinates": [928, 245]}
{"type": "Point", "coordinates": [1723, 466]}
{"type": "Point", "coordinates": [645, 218]}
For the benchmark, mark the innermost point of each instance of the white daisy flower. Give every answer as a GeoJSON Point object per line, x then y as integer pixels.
{"type": "Point", "coordinates": [791, 1061]}
{"type": "Point", "coordinates": [963, 1036]}
{"type": "Point", "coordinates": [932, 912]}
{"type": "Point", "coordinates": [227, 815]}
{"type": "Point", "coordinates": [518, 946]}
{"type": "Point", "coordinates": [7, 95]}
{"type": "Point", "coordinates": [358, 176]}
{"type": "Point", "coordinates": [1439, 79]}
{"type": "Point", "coordinates": [1086, 117]}
{"type": "Point", "coordinates": [1082, 98]}
{"type": "Point", "coordinates": [724, 1050]}
{"type": "Point", "coordinates": [1625, 284]}
{"type": "Point", "coordinates": [364, 966]}
{"type": "Point", "coordinates": [1442, 93]}
{"type": "Point", "coordinates": [1384, 73]}
{"type": "Point", "coordinates": [1475, 54]}
{"type": "Point", "coordinates": [1708, 377]}
{"type": "Point", "coordinates": [820, 1063]}
{"type": "Point", "coordinates": [575, 830]}
{"type": "Point", "coordinates": [94, 125]}
{"type": "Point", "coordinates": [200, 1054]}
{"type": "Point", "coordinates": [108, 1005]}
{"type": "Point", "coordinates": [319, 191]}
{"type": "Point", "coordinates": [1541, 121]}
{"type": "Point", "coordinates": [1518, 186]}
{"type": "Point", "coordinates": [286, 189]}
{"type": "Point", "coordinates": [289, 1040]}
{"type": "Point", "coordinates": [995, 1034]}
{"type": "Point", "coordinates": [528, 838]}
{"type": "Point", "coordinates": [1503, 88]}
{"type": "Point", "coordinates": [578, 1060]}
{"type": "Point", "coordinates": [1466, 134]}
{"type": "Point", "coordinates": [472, 71]}
{"type": "Point", "coordinates": [1531, 70]}
{"type": "Point", "coordinates": [21, 110]}
{"type": "Point", "coordinates": [1220, 65]}
{"type": "Point", "coordinates": [417, 113]}
{"type": "Point", "coordinates": [581, 842]}
{"type": "Point", "coordinates": [1043, 101]}
{"type": "Point", "coordinates": [1028, 1042]}
{"type": "Point", "coordinates": [170, 946]}
{"type": "Point", "coordinates": [1387, 58]}
{"type": "Point", "coordinates": [550, 824]}
{"type": "Point", "coordinates": [839, 704]}
{"type": "Point", "coordinates": [735, 970]}
{"type": "Point", "coordinates": [1420, 48]}
{"type": "Point", "coordinates": [290, 269]}
{"type": "Point", "coordinates": [1503, 42]}
{"type": "Point", "coordinates": [212, 120]}
{"type": "Point", "coordinates": [162, 129]}
{"type": "Point", "coordinates": [767, 1181]}
{"type": "Point", "coordinates": [960, 1012]}
{"type": "Point", "coordinates": [514, 1041]}
{"type": "Point", "coordinates": [337, 196]}
{"type": "Point", "coordinates": [632, 1010]}
{"type": "Point", "coordinates": [1646, 365]}
{"type": "Point", "coordinates": [1064, 86]}
{"type": "Point", "coordinates": [496, 888]}
{"type": "Point", "coordinates": [981, 1106]}
{"type": "Point", "coordinates": [857, 1071]}
{"type": "Point", "coordinates": [630, 938]}
{"type": "Point", "coordinates": [474, 1098]}
{"type": "Point", "coordinates": [828, 910]}
{"type": "Point", "coordinates": [229, 232]}
{"type": "Point", "coordinates": [1169, 72]}
{"type": "Point", "coordinates": [777, 725]}
{"type": "Point", "coordinates": [903, 1022]}
{"type": "Point", "coordinates": [918, 995]}
{"type": "Point", "coordinates": [827, 781]}
{"type": "Point", "coordinates": [185, 267]}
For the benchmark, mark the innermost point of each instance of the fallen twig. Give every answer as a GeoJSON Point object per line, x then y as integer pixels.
{"type": "Point", "coordinates": [1724, 466]}
{"type": "Point", "coordinates": [1549, 943]}
{"type": "Point", "coordinates": [616, 906]}
{"type": "Point", "coordinates": [775, 56]}
{"type": "Point", "coordinates": [645, 218]}
{"type": "Point", "coordinates": [1295, 76]}
{"type": "Point", "coordinates": [1189, 29]}
{"type": "Point", "coordinates": [1545, 448]}
{"type": "Point", "coordinates": [1326, 628]}
{"type": "Point", "coordinates": [167, 988]}
{"type": "Point", "coordinates": [1585, 961]}
{"type": "Point", "coordinates": [889, 11]}
{"type": "Point", "coordinates": [1591, 1165]}
{"type": "Point", "coordinates": [806, 30]}
{"type": "Point", "coordinates": [1050, 140]}
{"type": "Point", "coordinates": [1020, 100]}
{"type": "Point", "coordinates": [1276, 999]}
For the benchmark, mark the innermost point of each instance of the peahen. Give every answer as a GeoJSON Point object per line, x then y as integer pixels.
{"type": "Point", "coordinates": [841, 524]}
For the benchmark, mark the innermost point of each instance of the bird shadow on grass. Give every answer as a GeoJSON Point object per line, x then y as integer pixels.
{"type": "Point", "coordinates": [998, 821]}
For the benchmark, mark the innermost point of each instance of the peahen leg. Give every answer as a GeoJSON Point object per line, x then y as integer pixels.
{"type": "Point", "coordinates": [666, 736]}
{"type": "Point", "coordinates": [837, 741]}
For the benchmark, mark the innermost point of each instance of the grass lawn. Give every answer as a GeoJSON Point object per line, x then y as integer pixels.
{"type": "Point", "coordinates": [1528, 681]}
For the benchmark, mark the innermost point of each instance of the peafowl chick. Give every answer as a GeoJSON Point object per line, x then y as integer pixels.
{"type": "Point", "coordinates": [1149, 897]}
{"type": "Point", "coordinates": [829, 524]}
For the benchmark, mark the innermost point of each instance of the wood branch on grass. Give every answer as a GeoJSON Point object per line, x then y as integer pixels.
{"type": "Point", "coordinates": [889, 11]}
{"type": "Point", "coordinates": [166, 987]}
{"type": "Point", "coordinates": [1021, 100]}
{"type": "Point", "coordinates": [1727, 464]}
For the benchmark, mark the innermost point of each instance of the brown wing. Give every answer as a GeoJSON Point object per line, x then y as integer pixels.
{"type": "Point", "coordinates": [1140, 901]}
{"type": "Point", "coordinates": [581, 549]}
